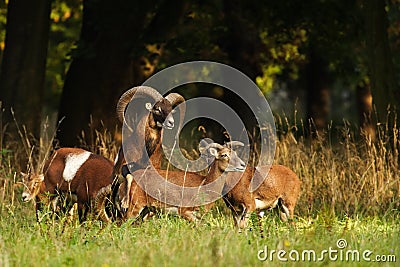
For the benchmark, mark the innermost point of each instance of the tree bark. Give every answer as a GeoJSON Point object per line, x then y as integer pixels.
{"type": "Point", "coordinates": [384, 89]}
{"type": "Point", "coordinates": [318, 94]}
{"type": "Point", "coordinates": [364, 104]}
{"type": "Point", "coordinates": [119, 48]}
{"type": "Point", "coordinates": [242, 42]}
{"type": "Point", "coordinates": [24, 62]}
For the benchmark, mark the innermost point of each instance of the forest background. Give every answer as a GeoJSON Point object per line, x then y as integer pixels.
{"type": "Point", "coordinates": [321, 60]}
{"type": "Point", "coordinates": [330, 70]}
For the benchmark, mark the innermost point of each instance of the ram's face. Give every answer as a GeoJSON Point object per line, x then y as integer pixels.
{"type": "Point", "coordinates": [162, 113]}
{"type": "Point", "coordinates": [32, 183]}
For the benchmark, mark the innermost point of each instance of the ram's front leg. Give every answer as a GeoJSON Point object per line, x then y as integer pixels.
{"type": "Point", "coordinates": [125, 199]}
{"type": "Point", "coordinates": [139, 203]}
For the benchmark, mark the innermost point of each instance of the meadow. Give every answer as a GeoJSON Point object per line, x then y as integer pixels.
{"type": "Point", "coordinates": [348, 214]}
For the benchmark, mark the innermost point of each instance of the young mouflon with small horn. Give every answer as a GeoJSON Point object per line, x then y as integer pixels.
{"type": "Point", "coordinates": [226, 160]}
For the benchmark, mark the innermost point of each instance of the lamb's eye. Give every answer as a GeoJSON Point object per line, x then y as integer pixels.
{"type": "Point", "coordinates": [224, 156]}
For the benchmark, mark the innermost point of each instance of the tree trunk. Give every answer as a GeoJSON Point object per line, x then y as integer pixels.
{"type": "Point", "coordinates": [384, 89]}
{"type": "Point", "coordinates": [318, 95]}
{"type": "Point", "coordinates": [90, 93]}
{"type": "Point", "coordinates": [24, 62]}
{"type": "Point", "coordinates": [364, 105]}
{"type": "Point", "coordinates": [118, 49]}
{"type": "Point", "coordinates": [102, 70]}
{"type": "Point", "coordinates": [242, 42]}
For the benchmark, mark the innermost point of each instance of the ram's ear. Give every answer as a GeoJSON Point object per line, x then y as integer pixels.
{"type": "Point", "coordinates": [149, 106]}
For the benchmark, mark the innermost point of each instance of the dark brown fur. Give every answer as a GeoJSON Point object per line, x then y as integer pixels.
{"type": "Point", "coordinates": [93, 174]}
{"type": "Point", "coordinates": [148, 131]}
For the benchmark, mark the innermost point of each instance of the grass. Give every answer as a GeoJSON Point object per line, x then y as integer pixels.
{"type": "Point", "coordinates": [350, 191]}
{"type": "Point", "coordinates": [171, 241]}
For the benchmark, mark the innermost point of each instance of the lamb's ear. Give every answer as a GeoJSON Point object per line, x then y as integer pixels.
{"type": "Point", "coordinates": [149, 106]}
{"type": "Point", "coordinates": [203, 144]}
{"type": "Point", "coordinates": [213, 151]}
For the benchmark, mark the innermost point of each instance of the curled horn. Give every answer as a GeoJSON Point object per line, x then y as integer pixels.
{"type": "Point", "coordinates": [100, 203]}
{"type": "Point", "coordinates": [176, 99]}
{"type": "Point", "coordinates": [214, 145]}
{"type": "Point", "coordinates": [127, 97]}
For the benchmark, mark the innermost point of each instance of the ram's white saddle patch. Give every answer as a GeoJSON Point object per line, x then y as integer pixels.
{"type": "Point", "coordinates": [72, 164]}
{"type": "Point", "coordinates": [260, 204]}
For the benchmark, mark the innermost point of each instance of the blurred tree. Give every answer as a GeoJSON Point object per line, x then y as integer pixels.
{"type": "Point", "coordinates": [318, 91]}
{"type": "Point", "coordinates": [66, 19]}
{"type": "Point", "coordinates": [242, 41]}
{"type": "Point", "coordinates": [24, 61]}
{"type": "Point", "coordinates": [3, 20]}
{"type": "Point", "coordinates": [119, 47]}
{"type": "Point", "coordinates": [384, 88]}
{"type": "Point", "coordinates": [364, 105]}
{"type": "Point", "coordinates": [315, 45]}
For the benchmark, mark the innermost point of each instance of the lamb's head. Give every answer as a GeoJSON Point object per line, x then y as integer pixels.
{"type": "Point", "coordinates": [32, 183]}
{"type": "Point", "coordinates": [160, 108]}
{"type": "Point", "coordinates": [226, 158]}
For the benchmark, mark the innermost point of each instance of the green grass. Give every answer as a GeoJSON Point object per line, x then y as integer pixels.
{"type": "Point", "coordinates": [172, 241]}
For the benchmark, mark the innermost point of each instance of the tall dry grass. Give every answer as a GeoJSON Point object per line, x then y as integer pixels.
{"type": "Point", "coordinates": [343, 172]}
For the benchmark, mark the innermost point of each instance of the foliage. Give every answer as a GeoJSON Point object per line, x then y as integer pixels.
{"type": "Point", "coordinates": [66, 17]}
{"type": "Point", "coordinates": [3, 19]}
{"type": "Point", "coordinates": [284, 57]}
{"type": "Point", "coordinates": [282, 43]}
